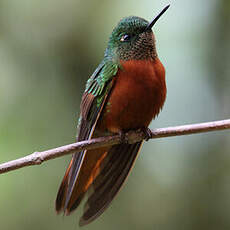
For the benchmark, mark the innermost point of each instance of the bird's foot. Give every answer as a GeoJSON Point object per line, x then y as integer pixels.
{"type": "Point", "coordinates": [123, 137]}
{"type": "Point", "coordinates": [147, 133]}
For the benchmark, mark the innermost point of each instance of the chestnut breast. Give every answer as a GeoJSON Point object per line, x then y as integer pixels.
{"type": "Point", "coordinates": [137, 96]}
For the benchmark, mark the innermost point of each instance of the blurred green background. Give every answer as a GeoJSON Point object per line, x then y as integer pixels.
{"type": "Point", "coordinates": [47, 51]}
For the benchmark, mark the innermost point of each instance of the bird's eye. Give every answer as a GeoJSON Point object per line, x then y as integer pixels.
{"type": "Point", "coordinates": [125, 38]}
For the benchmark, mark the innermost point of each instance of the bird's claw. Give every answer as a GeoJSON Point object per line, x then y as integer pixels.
{"type": "Point", "coordinates": [123, 137]}
{"type": "Point", "coordinates": [147, 133]}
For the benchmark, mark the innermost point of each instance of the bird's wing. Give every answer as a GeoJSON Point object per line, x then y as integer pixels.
{"type": "Point", "coordinates": [97, 89]}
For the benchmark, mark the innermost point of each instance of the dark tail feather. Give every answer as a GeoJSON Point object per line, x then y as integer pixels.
{"type": "Point", "coordinates": [61, 196]}
{"type": "Point", "coordinates": [64, 191]}
{"type": "Point", "coordinates": [116, 167]}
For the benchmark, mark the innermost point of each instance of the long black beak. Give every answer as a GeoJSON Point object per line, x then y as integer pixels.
{"type": "Point", "coordinates": [151, 24]}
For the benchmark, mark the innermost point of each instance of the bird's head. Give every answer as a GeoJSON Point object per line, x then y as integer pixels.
{"type": "Point", "coordinates": [133, 38]}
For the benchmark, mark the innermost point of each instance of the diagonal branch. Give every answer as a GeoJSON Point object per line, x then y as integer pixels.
{"type": "Point", "coordinates": [132, 137]}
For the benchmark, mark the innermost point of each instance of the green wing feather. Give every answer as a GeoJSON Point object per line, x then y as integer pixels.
{"type": "Point", "coordinates": [97, 88]}
{"type": "Point", "coordinates": [96, 85]}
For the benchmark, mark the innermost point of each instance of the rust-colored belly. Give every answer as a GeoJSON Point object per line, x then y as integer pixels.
{"type": "Point", "coordinates": [137, 97]}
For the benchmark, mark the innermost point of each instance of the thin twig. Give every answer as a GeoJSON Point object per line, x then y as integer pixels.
{"type": "Point", "coordinates": [37, 158]}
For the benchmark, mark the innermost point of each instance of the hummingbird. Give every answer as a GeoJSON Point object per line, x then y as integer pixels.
{"type": "Point", "coordinates": [126, 91]}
